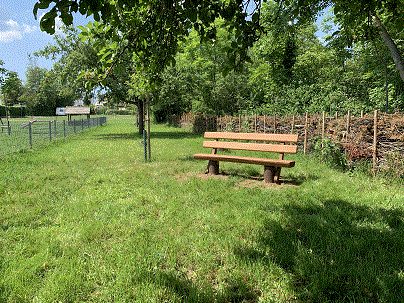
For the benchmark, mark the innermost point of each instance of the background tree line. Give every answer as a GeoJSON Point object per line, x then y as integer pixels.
{"type": "Point", "coordinates": [288, 69]}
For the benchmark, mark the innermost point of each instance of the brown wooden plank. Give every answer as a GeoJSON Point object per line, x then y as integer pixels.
{"type": "Point", "coordinates": [287, 149]}
{"type": "Point", "coordinates": [287, 138]}
{"type": "Point", "coordinates": [248, 160]}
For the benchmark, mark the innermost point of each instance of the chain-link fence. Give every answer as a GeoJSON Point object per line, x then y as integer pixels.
{"type": "Point", "coordinates": [18, 135]}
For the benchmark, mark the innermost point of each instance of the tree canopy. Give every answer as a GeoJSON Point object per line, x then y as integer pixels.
{"type": "Point", "coordinates": [152, 29]}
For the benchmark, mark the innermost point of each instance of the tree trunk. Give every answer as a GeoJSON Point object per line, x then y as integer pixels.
{"type": "Point", "coordinates": [391, 45]}
{"type": "Point", "coordinates": [140, 110]}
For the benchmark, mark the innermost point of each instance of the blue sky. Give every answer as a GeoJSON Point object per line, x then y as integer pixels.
{"type": "Point", "coordinates": [20, 35]}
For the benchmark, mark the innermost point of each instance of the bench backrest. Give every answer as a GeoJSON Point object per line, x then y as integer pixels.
{"type": "Point", "coordinates": [282, 138]}
{"type": "Point", "coordinates": [281, 148]}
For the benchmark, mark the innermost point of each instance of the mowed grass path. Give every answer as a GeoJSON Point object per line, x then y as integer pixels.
{"type": "Point", "coordinates": [86, 220]}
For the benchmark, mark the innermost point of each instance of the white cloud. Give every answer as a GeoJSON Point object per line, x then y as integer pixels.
{"type": "Point", "coordinates": [9, 36]}
{"type": "Point", "coordinates": [11, 23]}
{"type": "Point", "coordinates": [14, 31]}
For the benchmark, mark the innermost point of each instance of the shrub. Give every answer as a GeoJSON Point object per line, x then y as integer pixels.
{"type": "Point", "coordinates": [15, 111]}
{"type": "Point", "coordinates": [330, 153]}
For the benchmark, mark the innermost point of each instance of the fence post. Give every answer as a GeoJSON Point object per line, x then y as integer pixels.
{"type": "Point", "coordinates": [30, 134]}
{"type": "Point", "coordinates": [50, 130]}
{"type": "Point", "coordinates": [293, 124]}
{"type": "Point", "coordinates": [323, 129]}
{"type": "Point", "coordinates": [306, 122]}
{"type": "Point", "coordinates": [145, 144]}
{"type": "Point", "coordinates": [8, 128]}
{"type": "Point", "coordinates": [74, 125]}
{"type": "Point", "coordinates": [255, 123]}
{"type": "Point", "coordinates": [361, 113]}
{"type": "Point", "coordinates": [64, 128]}
{"type": "Point", "coordinates": [375, 142]}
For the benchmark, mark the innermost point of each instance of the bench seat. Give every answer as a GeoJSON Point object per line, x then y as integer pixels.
{"type": "Point", "coordinates": [255, 143]}
{"type": "Point", "coordinates": [248, 160]}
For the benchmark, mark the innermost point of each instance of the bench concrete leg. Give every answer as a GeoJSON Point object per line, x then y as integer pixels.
{"type": "Point", "coordinates": [213, 167]}
{"type": "Point", "coordinates": [269, 173]}
{"type": "Point", "coordinates": [278, 175]}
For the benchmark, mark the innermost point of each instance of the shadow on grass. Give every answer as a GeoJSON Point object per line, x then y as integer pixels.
{"type": "Point", "coordinates": [174, 135]}
{"type": "Point", "coordinates": [235, 290]}
{"type": "Point", "coordinates": [254, 174]}
{"type": "Point", "coordinates": [336, 252]}
{"type": "Point", "coordinates": [154, 135]}
{"type": "Point", "coordinates": [116, 137]}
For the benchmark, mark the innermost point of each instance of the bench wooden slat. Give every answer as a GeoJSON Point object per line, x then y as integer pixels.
{"type": "Point", "coordinates": [287, 149]}
{"type": "Point", "coordinates": [287, 138]}
{"type": "Point", "coordinates": [247, 160]}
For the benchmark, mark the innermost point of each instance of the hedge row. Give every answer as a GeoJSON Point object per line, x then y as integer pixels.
{"type": "Point", "coordinates": [15, 111]}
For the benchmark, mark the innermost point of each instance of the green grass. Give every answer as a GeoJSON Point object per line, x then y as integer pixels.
{"type": "Point", "coordinates": [18, 139]}
{"type": "Point", "coordinates": [86, 220]}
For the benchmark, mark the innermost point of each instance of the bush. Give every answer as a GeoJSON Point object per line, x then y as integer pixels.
{"type": "Point", "coordinates": [3, 111]}
{"type": "Point", "coordinates": [15, 111]}
{"type": "Point", "coordinates": [394, 166]}
{"type": "Point", "coordinates": [330, 153]}
{"type": "Point", "coordinates": [122, 112]}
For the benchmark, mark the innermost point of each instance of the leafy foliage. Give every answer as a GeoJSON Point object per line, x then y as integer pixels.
{"type": "Point", "coordinates": [11, 88]}
{"type": "Point", "coordinates": [152, 29]}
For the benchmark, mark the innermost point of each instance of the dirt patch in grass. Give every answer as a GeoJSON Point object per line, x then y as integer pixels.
{"type": "Point", "coordinates": [256, 183]}
{"type": "Point", "coordinates": [249, 182]}
{"type": "Point", "coordinates": [189, 175]}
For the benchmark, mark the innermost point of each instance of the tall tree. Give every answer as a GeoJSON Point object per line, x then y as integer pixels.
{"type": "Point", "coordinates": [3, 72]}
{"type": "Point", "coordinates": [152, 29]}
{"type": "Point", "coordinates": [355, 19]}
{"type": "Point", "coordinates": [12, 88]}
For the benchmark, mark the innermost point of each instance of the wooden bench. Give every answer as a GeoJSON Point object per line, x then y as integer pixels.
{"type": "Point", "coordinates": [272, 167]}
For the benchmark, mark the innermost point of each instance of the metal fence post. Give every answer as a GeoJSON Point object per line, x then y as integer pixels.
{"type": "Point", "coordinates": [50, 130]}
{"type": "Point", "coordinates": [64, 128]}
{"type": "Point", "coordinates": [56, 132]}
{"type": "Point", "coordinates": [30, 134]}
{"type": "Point", "coordinates": [8, 128]}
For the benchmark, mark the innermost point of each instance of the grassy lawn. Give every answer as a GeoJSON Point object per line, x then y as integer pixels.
{"type": "Point", "coordinates": [85, 220]}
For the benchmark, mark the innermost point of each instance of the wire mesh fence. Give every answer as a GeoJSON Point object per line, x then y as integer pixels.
{"type": "Point", "coordinates": [17, 135]}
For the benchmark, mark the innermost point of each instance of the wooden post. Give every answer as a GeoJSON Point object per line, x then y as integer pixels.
{"type": "Point", "coordinates": [361, 113]}
{"type": "Point", "coordinates": [375, 142]}
{"type": "Point", "coordinates": [306, 122]}
{"type": "Point", "coordinates": [348, 122]}
{"type": "Point", "coordinates": [293, 124]}
{"type": "Point", "coordinates": [336, 115]}
{"type": "Point", "coordinates": [255, 123]}
{"type": "Point", "coordinates": [323, 129]}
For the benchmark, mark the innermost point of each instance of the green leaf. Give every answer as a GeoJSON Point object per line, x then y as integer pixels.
{"type": "Point", "coordinates": [67, 18]}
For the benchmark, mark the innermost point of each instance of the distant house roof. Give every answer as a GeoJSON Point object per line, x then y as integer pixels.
{"type": "Point", "coordinates": [77, 110]}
